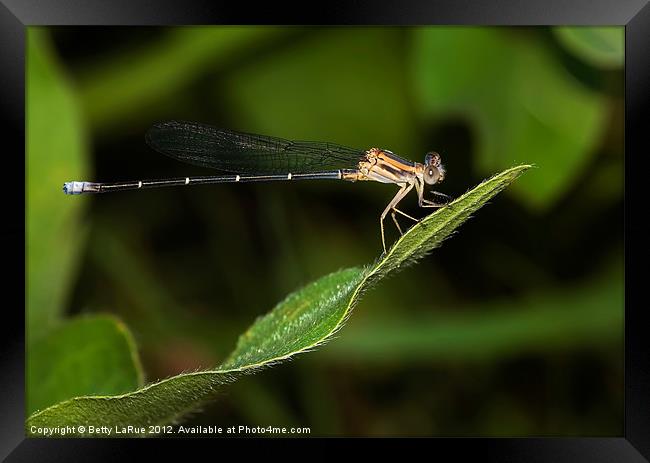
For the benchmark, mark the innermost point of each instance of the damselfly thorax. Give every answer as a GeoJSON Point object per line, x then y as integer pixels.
{"type": "Point", "coordinates": [386, 167]}
{"type": "Point", "coordinates": [255, 158]}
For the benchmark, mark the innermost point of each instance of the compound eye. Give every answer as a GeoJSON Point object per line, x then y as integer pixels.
{"type": "Point", "coordinates": [431, 174]}
{"type": "Point", "coordinates": [432, 159]}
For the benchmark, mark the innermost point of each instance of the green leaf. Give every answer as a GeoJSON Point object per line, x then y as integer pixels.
{"type": "Point", "coordinates": [303, 321]}
{"type": "Point", "coordinates": [518, 99]}
{"type": "Point", "coordinates": [87, 355]}
{"type": "Point", "coordinates": [602, 47]}
{"type": "Point", "coordinates": [56, 152]}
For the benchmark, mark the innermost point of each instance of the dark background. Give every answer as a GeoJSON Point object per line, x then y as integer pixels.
{"type": "Point", "coordinates": [513, 327]}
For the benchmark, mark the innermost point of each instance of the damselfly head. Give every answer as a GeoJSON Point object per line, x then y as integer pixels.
{"type": "Point", "coordinates": [434, 171]}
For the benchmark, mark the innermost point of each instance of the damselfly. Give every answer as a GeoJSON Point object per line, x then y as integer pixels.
{"type": "Point", "coordinates": [258, 158]}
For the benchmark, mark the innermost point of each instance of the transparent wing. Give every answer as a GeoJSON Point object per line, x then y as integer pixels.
{"type": "Point", "coordinates": [237, 152]}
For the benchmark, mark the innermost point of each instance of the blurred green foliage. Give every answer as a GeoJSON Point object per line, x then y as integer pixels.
{"type": "Point", "coordinates": [493, 330]}
{"type": "Point", "coordinates": [56, 147]}
{"type": "Point", "coordinates": [311, 90]}
{"type": "Point", "coordinates": [523, 105]}
{"type": "Point", "coordinates": [512, 328]}
{"type": "Point", "coordinates": [112, 89]}
{"type": "Point", "coordinates": [600, 46]}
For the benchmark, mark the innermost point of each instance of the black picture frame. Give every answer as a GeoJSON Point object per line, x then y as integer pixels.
{"type": "Point", "coordinates": [16, 15]}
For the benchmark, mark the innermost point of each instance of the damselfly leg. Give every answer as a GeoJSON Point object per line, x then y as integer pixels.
{"type": "Point", "coordinates": [422, 202]}
{"type": "Point", "coordinates": [404, 190]}
{"type": "Point", "coordinates": [392, 214]}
